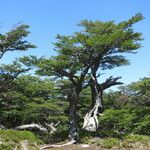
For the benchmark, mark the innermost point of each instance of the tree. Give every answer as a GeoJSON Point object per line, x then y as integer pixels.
{"type": "Point", "coordinates": [138, 93]}
{"type": "Point", "coordinates": [13, 41]}
{"type": "Point", "coordinates": [108, 41]}
{"type": "Point", "coordinates": [99, 46]}
{"type": "Point", "coordinates": [31, 100]}
{"type": "Point", "coordinates": [8, 73]}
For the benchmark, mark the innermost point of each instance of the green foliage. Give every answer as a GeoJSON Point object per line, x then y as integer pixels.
{"type": "Point", "coordinates": [31, 100]}
{"type": "Point", "coordinates": [7, 146]}
{"type": "Point", "coordinates": [141, 92]}
{"type": "Point", "coordinates": [128, 141]}
{"type": "Point", "coordinates": [127, 110]}
{"type": "Point", "coordinates": [109, 143]}
{"type": "Point", "coordinates": [137, 138]}
{"type": "Point", "coordinates": [18, 136]}
{"type": "Point", "coordinates": [13, 40]}
{"type": "Point", "coordinates": [85, 137]}
{"type": "Point", "coordinates": [116, 123]}
{"type": "Point", "coordinates": [143, 126]}
{"type": "Point", "coordinates": [115, 100]}
{"type": "Point", "coordinates": [97, 44]}
{"type": "Point", "coordinates": [60, 135]}
{"type": "Point", "coordinates": [131, 141]}
{"type": "Point", "coordinates": [26, 99]}
{"type": "Point", "coordinates": [9, 139]}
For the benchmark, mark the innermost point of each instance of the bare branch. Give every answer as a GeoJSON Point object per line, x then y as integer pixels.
{"type": "Point", "coordinates": [60, 145]}
{"type": "Point", "coordinates": [52, 126]}
{"type": "Point", "coordinates": [32, 127]}
{"type": "Point", "coordinates": [110, 82]}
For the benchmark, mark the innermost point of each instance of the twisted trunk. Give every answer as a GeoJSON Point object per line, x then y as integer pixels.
{"type": "Point", "coordinates": [91, 118]}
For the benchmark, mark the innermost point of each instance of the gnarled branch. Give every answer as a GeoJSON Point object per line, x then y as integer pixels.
{"type": "Point", "coordinates": [109, 82]}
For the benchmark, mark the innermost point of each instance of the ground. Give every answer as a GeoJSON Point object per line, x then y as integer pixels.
{"type": "Point", "coordinates": [93, 147]}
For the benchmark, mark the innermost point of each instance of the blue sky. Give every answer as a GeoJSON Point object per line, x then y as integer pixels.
{"type": "Point", "coordinates": [47, 18]}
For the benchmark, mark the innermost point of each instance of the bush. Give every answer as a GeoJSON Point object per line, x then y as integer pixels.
{"type": "Point", "coordinates": [109, 143]}
{"type": "Point", "coordinates": [86, 137]}
{"type": "Point", "coordinates": [116, 123]}
{"type": "Point", "coordinates": [9, 139]}
{"type": "Point", "coordinates": [137, 138]}
{"type": "Point", "coordinates": [60, 135]}
{"type": "Point", "coordinates": [18, 136]}
{"type": "Point", "coordinates": [130, 141]}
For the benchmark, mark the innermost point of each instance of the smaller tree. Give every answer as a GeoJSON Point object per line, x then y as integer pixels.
{"type": "Point", "coordinates": [139, 92]}
{"type": "Point", "coordinates": [8, 73]}
{"type": "Point", "coordinates": [13, 41]}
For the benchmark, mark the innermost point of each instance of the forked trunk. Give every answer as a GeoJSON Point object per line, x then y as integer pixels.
{"type": "Point", "coordinates": [91, 118]}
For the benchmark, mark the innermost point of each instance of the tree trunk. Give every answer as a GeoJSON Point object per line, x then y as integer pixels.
{"type": "Point", "coordinates": [73, 98]}
{"type": "Point", "coordinates": [91, 118]}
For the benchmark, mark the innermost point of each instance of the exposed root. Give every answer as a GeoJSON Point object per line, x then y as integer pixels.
{"type": "Point", "coordinates": [59, 145]}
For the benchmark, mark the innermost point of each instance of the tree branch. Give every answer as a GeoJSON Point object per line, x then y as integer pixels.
{"type": "Point", "coordinates": [109, 82]}
{"type": "Point", "coordinates": [32, 127]}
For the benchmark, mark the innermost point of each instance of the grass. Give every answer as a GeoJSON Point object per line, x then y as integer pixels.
{"type": "Point", "coordinates": [129, 141]}
{"type": "Point", "coordinates": [109, 143]}
{"type": "Point", "coordinates": [9, 139]}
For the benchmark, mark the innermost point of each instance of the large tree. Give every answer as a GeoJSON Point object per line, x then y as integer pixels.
{"type": "Point", "coordinates": [109, 43]}
{"type": "Point", "coordinates": [81, 56]}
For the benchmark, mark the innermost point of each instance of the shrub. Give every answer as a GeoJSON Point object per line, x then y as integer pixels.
{"type": "Point", "coordinates": [143, 126]}
{"type": "Point", "coordinates": [137, 138]}
{"type": "Point", "coordinates": [116, 123]}
{"type": "Point", "coordinates": [130, 141]}
{"type": "Point", "coordinates": [109, 143]}
{"type": "Point", "coordinates": [9, 139]}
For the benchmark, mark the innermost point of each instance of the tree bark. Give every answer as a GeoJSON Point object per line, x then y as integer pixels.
{"type": "Point", "coordinates": [73, 99]}
{"type": "Point", "coordinates": [91, 118]}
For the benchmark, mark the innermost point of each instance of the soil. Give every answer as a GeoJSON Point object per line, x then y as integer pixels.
{"type": "Point", "coordinates": [92, 147]}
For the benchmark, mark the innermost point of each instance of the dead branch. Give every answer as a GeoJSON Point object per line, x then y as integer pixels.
{"type": "Point", "coordinates": [52, 126]}
{"type": "Point", "coordinates": [32, 127]}
{"type": "Point", "coordinates": [59, 145]}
